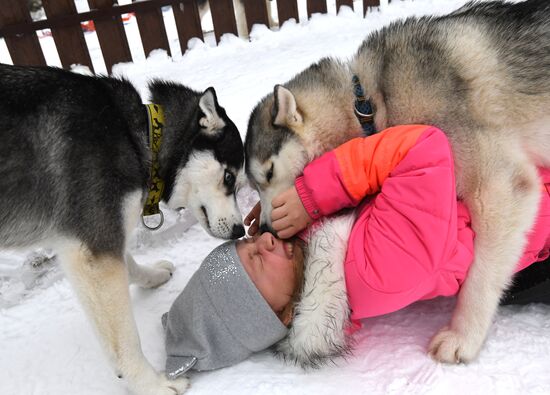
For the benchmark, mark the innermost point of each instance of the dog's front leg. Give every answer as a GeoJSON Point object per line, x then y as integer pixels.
{"type": "Point", "coordinates": [503, 200]}
{"type": "Point", "coordinates": [149, 276]}
{"type": "Point", "coordinates": [101, 283]}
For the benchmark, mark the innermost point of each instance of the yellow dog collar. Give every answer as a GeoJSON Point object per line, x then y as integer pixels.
{"type": "Point", "coordinates": [155, 116]}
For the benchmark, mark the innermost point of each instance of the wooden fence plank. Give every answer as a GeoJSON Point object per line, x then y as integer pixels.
{"type": "Point", "coordinates": [370, 3]}
{"type": "Point", "coordinates": [75, 19]}
{"type": "Point", "coordinates": [17, 28]}
{"type": "Point", "coordinates": [152, 31]}
{"type": "Point", "coordinates": [188, 22]}
{"type": "Point", "coordinates": [24, 49]}
{"type": "Point", "coordinates": [314, 6]}
{"type": "Point", "coordinates": [223, 16]}
{"type": "Point", "coordinates": [256, 12]}
{"type": "Point", "coordinates": [69, 40]}
{"type": "Point", "coordinates": [111, 36]}
{"type": "Point", "coordinates": [340, 3]}
{"type": "Point", "coordinates": [287, 9]}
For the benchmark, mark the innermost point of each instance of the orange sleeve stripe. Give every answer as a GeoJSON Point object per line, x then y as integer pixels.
{"type": "Point", "coordinates": [365, 162]}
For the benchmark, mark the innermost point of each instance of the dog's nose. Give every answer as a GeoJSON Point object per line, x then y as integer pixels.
{"type": "Point", "coordinates": [238, 231]}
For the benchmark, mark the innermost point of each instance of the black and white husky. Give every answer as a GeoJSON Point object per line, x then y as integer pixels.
{"type": "Point", "coordinates": [75, 167]}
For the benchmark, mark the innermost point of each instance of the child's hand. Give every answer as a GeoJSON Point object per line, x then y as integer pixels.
{"type": "Point", "coordinates": [253, 219]}
{"type": "Point", "coordinates": [289, 215]}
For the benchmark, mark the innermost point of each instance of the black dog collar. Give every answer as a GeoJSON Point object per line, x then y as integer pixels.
{"type": "Point", "coordinates": [363, 108]}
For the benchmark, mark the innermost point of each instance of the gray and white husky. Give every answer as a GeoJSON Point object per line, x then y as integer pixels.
{"type": "Point", "coordinates": [75, 165]}
{"type": "Point", "coordinates": [481, 74]}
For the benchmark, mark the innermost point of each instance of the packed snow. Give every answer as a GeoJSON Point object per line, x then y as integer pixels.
{"type": "Point", "coordinates": [47, 346]}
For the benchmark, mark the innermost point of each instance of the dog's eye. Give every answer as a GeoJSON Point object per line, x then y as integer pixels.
{"type": "Point", "coordinates": [229, 179]}
{"type": "Point", "coordinates": [269, 174]}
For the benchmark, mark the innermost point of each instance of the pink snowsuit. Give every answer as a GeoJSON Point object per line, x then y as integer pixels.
{"type": "Point", "coordinates": [412, 238]}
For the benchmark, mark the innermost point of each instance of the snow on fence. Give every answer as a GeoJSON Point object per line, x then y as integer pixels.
{"type": "Point", "coordinates": [106, 17]}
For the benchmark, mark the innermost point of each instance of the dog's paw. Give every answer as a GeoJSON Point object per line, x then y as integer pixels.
{"type": "Point", "coordinates": [162, 386]}
{"type": "Point", "coordinates": [450, 346]}
{"type": "Point", "coordinates": [165, 265]}
{"type": "Point", "coordinates": [158, 274]}
{"type": "Point", "coordinates": [173, 387]}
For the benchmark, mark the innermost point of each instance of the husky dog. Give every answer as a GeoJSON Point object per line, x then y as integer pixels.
{"type": "Point", "coordinates": [75, 164]}
{"type": "Point", "coordinates": [240, 15]}
{"type": "Point", "coordinates": [482, 75]}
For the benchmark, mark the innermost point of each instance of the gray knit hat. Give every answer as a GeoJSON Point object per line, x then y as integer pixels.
{"type": "Point", "coordinates": [220, 318]}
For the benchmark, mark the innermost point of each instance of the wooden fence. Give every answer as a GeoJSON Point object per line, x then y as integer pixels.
{"type": "Point", "coordinates": [19, 30]}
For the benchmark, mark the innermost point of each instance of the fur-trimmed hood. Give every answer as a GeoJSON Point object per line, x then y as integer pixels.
{"type": "Point", "coordinates": [318, 330]}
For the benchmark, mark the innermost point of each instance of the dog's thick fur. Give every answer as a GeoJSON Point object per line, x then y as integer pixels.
{"type": "Point", "coordinates": [482, 75]}
{"type": "Point", "coordinates": [74, 169]}
{"type": "Point", "coordinates": [321, 317]}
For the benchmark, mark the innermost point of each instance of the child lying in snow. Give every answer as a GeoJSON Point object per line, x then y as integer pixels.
{"type": "Point", "coordinates": [235, 304]}
{"type": "Point", "coordinates": [408, 239]}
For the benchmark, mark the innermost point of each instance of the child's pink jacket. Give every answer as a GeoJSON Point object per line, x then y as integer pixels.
{"type": "Point", "coordinates": [412, 239]}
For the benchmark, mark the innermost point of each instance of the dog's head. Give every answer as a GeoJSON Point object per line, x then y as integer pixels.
{"type": "Point", "coordinates": [309, 115]}
{"type": "Point", "coordinates": [203, 158]}
{"type": "Point", "coordinates": [275, 150]}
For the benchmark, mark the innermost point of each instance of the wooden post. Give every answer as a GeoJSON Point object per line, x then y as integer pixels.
{"type": "Point", "coordinates": [152, 31]}
{"type": "Point", "coordinates": [287, 9]}
{"type": "Point", "coordinates": [24, 49]}
{"type": "Point", "coordinates": [256, 12]}
{"type": "Point", "coordinates": [316, 6]}
{"type": "Point", "coordinates": [69, 40]}
{"type": "Point", "coordinates": [223, 17]}
{"type": "Point", "coordinates": [370, 3]}
{"type": "Point", "coordinates": [111, 36]}
{"type": "Point", "coordinates": [340, 3]}
{"type": "Point", "coordinates": [188, 22]}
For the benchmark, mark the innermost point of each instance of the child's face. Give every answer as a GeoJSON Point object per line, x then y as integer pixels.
{"type": "Point", "coordinates": [268, 261]}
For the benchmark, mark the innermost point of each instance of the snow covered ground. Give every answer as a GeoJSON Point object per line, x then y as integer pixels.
{"type": "Point", "coordinates": [47, 347]}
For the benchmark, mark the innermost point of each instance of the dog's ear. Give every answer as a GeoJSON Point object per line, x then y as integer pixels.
{"type": "Point", "coordinates": [211, 122]}
{"type": "Point", "coordinates": [285, 110]}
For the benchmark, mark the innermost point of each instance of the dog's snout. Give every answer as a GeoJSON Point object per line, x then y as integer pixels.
{"type": "Point", "coordinates": [238, 231]}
